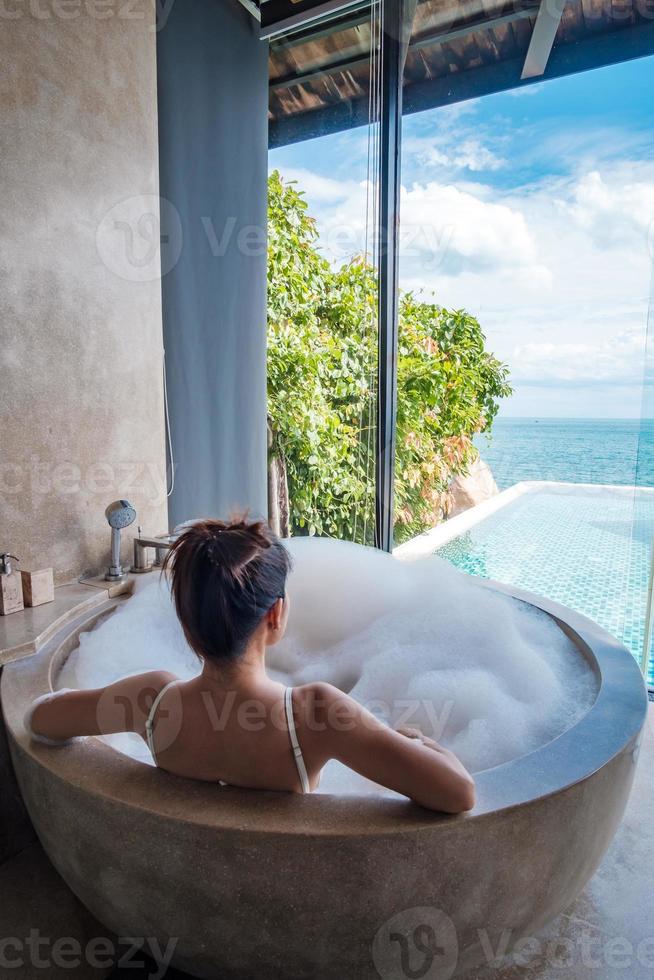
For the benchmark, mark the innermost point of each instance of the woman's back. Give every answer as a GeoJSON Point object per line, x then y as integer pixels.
{"type": "Point", "coordinates": [230, 735]}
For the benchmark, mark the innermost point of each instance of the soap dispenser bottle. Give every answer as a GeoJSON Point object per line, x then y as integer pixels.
{"type": "Point", "coordinates": [11, 586]}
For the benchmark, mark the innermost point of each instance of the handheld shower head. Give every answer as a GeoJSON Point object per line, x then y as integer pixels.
{"type": "Point", "coordinates": [119, 514]}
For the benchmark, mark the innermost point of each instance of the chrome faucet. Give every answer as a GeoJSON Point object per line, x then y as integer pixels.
{"type": "Point", "coordinates": [160, 543]}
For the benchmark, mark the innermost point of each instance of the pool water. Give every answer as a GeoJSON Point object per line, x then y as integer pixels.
{"type": "Point", "coordinates": [587, 547]}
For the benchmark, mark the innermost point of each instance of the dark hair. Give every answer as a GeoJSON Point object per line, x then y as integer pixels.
{"type": "Point", "coordinates": [224, 579]}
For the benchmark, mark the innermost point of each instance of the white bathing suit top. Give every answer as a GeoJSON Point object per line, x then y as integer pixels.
{"type": "Point", "coordinates": [290, 721]}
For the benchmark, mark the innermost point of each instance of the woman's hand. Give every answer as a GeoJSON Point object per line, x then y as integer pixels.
{"type": "Point", "coordinates": [416, 734]}
{"type": "Point", "coordinates": [410, 732]}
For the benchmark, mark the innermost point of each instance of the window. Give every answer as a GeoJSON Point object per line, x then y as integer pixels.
{"type": "Point", "coordinates": [322, 333]}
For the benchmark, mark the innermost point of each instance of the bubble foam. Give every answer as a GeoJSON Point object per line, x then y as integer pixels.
{"type": "Point", "coordinates": [419, 643]}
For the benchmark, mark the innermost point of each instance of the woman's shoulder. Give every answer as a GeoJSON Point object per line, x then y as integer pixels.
{"type": "Point", "coordinates": [324, 708]}
{"type": "Point", "coordinates": [320, 693]}
{"type": "Point", "coordinates": [150, 681]}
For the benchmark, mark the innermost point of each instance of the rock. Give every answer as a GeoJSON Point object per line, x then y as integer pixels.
{"type": "Point", "coordinates": [473, 488]}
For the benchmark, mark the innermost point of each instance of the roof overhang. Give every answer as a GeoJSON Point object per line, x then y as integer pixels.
{"type": "Point", "coordinates": [319, 73]}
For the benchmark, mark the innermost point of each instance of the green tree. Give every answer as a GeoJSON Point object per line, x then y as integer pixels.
{"type": "Point", "coordinates": [322, 379]}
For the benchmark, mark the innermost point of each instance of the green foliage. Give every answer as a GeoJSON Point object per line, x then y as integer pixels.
{"type": "Point", "coordinates": [322, 379]}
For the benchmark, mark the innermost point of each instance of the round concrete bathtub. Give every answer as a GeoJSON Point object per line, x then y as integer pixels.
{"type": "Point", "coordinates": [258, 885]}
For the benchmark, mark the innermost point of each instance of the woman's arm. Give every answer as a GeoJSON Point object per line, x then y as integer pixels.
{"type": "Point", "coordinates": [417, 767]}
{"type": "Point", "coordinates": [119, 707]}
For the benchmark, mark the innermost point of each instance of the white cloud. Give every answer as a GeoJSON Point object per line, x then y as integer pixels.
{"type": "Point", "coordinates": [614, 209]}
{"type": "Point", "coordinates": [450, 230]}
{"type": "Point", "coordinates": [446, 229]}
{"type": "Point", "coordinates": [534, 88]}
{"type": "Point", "coordinates": [468, 154]}
{"type": "Point", "coordinates": [318, 189]}
{"type": "Point", "coordinates": [615, 360]}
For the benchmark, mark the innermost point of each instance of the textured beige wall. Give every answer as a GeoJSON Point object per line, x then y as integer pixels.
{"type": "Point", "coordinates": [81, 416]}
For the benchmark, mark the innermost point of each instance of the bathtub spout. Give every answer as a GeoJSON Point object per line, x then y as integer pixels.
{"type": "Point", "coordinates": [160, 544]}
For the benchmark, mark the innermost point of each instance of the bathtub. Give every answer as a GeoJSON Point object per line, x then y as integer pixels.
{"type": "Point", "coordinates": [255, 885]}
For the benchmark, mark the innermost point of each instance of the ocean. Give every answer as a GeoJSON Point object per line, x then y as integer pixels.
{"type": "Point", "coordinates": [614, 451]}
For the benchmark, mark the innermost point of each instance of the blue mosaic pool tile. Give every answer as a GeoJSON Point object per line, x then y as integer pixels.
{"type": "Point", "coordinates": [586, 547]}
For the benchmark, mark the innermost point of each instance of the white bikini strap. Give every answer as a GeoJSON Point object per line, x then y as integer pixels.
{"type": "Point", "coordinates": [150, 720]}
{"type": "Point", "coordinates": [295, 745]}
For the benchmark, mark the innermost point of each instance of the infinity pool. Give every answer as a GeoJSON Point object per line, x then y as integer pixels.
{"type": "Point", "coordinates": [585, 546]}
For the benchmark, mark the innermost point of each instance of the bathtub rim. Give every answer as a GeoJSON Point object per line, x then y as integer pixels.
{"type": "Point", "coordinates": [611, 726]}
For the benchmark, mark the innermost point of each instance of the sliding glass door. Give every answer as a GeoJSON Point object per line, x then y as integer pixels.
{"type": "Point", "coordinates": [323, 279]}
{"type": "Point", "coordinates": [525, 440]}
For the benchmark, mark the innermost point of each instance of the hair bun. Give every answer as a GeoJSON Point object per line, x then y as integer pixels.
{"type": "Point", "coordinates": [224, 577]}
{"type": "Point", "coordinates": [231, 545]}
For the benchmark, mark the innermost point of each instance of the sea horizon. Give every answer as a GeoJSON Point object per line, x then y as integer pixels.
{"type": "Point", "coordinates": [617, 451]}
{"type": "Point", "coordinates": [572, 418]}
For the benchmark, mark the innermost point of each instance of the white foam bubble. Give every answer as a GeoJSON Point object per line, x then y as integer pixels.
{"type": "Point", "coordinates": [420, 643]}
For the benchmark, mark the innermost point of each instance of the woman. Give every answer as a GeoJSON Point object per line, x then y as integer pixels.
{"type": "Point", "coordinates": [232, 723]}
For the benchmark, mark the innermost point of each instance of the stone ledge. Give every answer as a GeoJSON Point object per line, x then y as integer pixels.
{"type": "Point", "coordinates": [23, 633]}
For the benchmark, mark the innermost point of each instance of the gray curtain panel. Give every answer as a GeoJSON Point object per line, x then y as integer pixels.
{"type": "Point", "coordinates": [212, 96]}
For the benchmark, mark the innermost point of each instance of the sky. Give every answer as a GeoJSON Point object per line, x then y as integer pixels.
{"type": "Point", "coordinates": [533, 210]}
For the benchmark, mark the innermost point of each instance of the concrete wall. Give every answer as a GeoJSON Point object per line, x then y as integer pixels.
{"type": "Point", "coordinates": [213, 105]}
{"type": "Point", "coordinates": [81, 416]}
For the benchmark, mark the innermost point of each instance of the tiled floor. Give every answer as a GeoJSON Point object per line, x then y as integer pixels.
{"type": "Point", "coordinates": [607, 934]}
